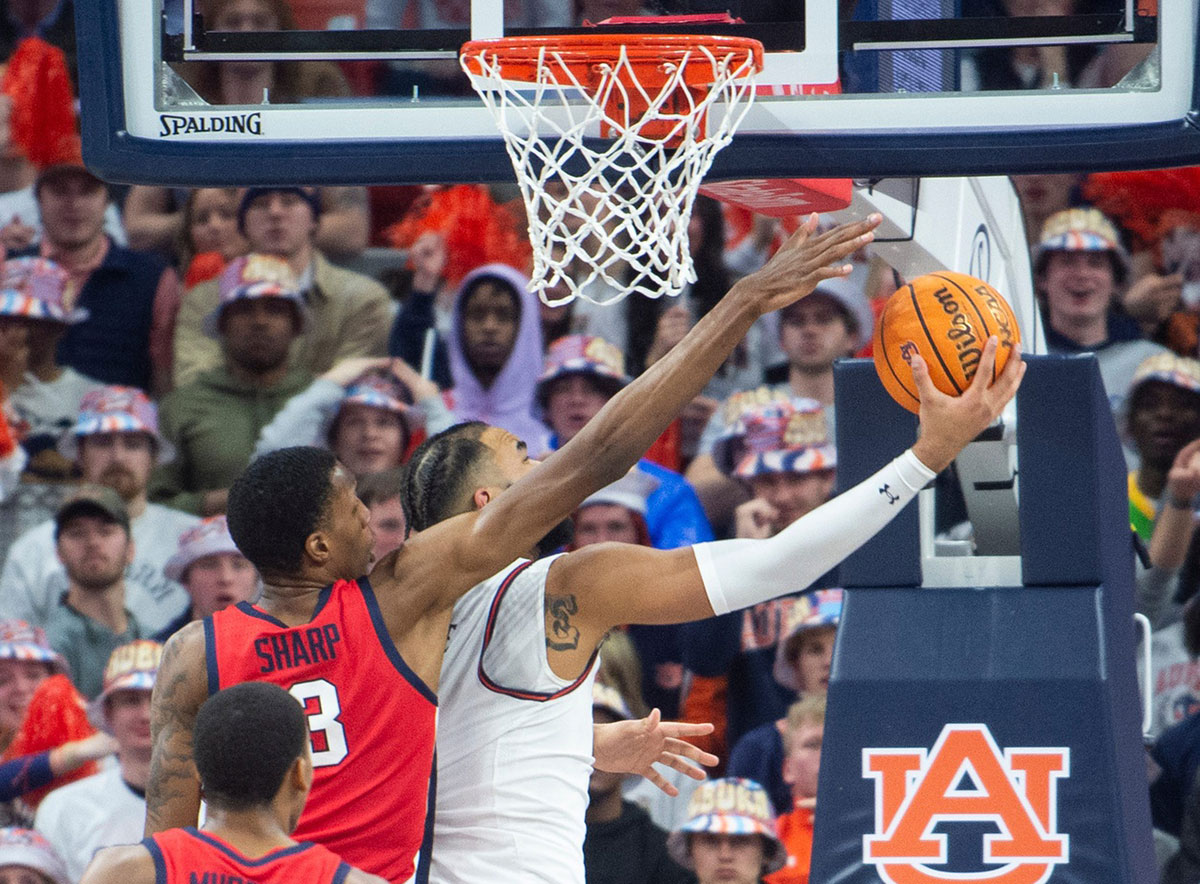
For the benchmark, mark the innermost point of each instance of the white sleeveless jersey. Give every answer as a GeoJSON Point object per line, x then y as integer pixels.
{"type": "Point", "coordinates": [514, 746]}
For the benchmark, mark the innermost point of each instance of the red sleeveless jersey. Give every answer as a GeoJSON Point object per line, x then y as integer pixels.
{"type": "Point", "coordinates": [187, 856]}
{"type": "Point", "coordinates": [372, 721]}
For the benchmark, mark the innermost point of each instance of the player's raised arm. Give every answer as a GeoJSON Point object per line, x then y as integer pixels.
{"type": "Point", "coordinates": [625, 428]}
{"type": "Point", "coordinates": [601, 586]}
{"type": "Point", "coordinates": [173, 791]}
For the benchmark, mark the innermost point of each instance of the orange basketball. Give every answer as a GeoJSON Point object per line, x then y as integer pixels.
{"type": "Point", "coordinates": [947, 318]}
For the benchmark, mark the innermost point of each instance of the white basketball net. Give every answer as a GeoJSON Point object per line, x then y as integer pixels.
{"type": "Point", "coordinates": [608, 217]}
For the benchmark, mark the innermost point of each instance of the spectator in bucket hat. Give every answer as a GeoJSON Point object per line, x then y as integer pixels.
{"type": "Point", "coordinates": [1080, 269]}
{"type": "Point", "coordinates": [368, 411]}
{"type": "Point", "coordinates": [25, 850]}
{"type": "Point", "coordinates": [212, 570]}
{"type": "Point", "coordinates": [26, 659]}
{"type": "Point", "coordinates": [36, 309]}
{"type": "Point", "coordinates": [109, 807]}
{"type": "Point", "coordinates": [215, 419]}
{"type": "Point", "coordinates": [115, 441]}
{"type": "Point", "coordinates": [580, 374]}
{"type": "Point", "coordinates": [730, 834]}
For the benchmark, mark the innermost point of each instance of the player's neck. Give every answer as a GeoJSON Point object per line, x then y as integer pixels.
{"type": "Point", "coordinates": [252, 833]}
{"type": "Point", "coordinates": [293, 600]}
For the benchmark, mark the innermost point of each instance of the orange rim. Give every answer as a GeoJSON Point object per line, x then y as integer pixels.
{"type": "Point", "coordinates": [518, 57]}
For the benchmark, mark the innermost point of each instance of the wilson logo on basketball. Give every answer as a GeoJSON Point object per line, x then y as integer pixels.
{"type": "Point", "coordinates": [965, 778]}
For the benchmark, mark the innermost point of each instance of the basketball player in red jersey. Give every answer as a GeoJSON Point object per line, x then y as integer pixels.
{"type": "Point", "coordinates": [255, 789]}
{"type": "Point", "coordinates": [364, 654]}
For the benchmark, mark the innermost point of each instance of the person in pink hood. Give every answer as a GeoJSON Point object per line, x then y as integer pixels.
{"type": "Point", "coordinates": [495, 349]}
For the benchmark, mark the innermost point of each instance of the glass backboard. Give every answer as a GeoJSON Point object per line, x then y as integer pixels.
{"type": "Point", "coordinates": [862, 89]}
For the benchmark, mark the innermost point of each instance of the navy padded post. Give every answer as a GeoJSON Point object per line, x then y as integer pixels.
{"type": "Point", "coordinates": [872, 429]}
{"type": "Point", "coordinates": [1041, 674]}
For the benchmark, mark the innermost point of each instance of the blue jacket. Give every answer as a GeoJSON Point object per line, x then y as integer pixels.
{"type": "Point", "coordinates": [113, 344]}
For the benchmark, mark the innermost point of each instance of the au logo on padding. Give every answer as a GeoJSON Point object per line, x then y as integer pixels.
{"type": "Point", "coordinates": [965, 777]}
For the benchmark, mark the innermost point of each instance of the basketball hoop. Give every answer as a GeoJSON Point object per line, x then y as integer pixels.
{"type": "Point", "coordinates": [610, 136]}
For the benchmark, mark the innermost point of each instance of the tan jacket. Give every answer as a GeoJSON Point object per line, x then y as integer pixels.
{"type": "Point", "coordinates": [348, 315]}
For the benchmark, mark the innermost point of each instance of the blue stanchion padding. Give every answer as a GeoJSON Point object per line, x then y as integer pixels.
{"type": "Point", "coordinates": [872, 429]}
{"type": "Point", "coordinates": [992, 734]}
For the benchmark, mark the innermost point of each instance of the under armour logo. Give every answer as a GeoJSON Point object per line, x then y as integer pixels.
{"type": "Point", "coordinates": [886, 491]}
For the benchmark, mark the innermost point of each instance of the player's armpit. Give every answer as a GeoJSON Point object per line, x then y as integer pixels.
{"type": "Point", "coordinates": [127, 864]}
{"type": "Point", "coordinates": [173, 792]}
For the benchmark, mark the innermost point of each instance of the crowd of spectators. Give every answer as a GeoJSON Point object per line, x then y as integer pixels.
{"type": "Point", "coordinates": [153, 341]}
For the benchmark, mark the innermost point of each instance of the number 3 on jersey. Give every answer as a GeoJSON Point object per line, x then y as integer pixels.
{"type": "Point", "coordinates": [319, 699]}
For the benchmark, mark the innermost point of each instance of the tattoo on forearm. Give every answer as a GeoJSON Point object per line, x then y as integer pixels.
{"type": "Point", "coordinates": [172, 794]}
{"type": "Point", "coordinates": [561, 635]}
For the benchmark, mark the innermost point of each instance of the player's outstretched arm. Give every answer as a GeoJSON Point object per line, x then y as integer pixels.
{"type": "Point", "coordinates": [127, 864]}
{"type": "Point", "coordinates": [629, 423]}
{"type": "Point", "coordinates": [591, 590]}
{"type": "Point", "coordinates": [173, 792]}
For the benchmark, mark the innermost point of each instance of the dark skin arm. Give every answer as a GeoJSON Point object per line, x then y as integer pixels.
{"type": "Point", "coordinates": [173, 792]}
{"type": "Point", "coordinates": [419, 585]}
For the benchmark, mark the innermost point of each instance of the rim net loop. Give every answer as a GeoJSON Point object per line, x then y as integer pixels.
{"type": "Point", "coordinates": [610, 137]}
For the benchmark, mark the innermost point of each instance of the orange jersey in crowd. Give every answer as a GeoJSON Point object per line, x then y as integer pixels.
{"type": "Point", "coordinates": [796, 832]}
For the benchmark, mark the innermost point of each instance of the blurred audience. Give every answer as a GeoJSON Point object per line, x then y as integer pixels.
{"type": "Point", "coordinates": [110, 807]}
{"type": "Point", "coordinates": [28, 858]}
{"type": "Point", "coordinates": [622, 845]}
{"type": "Point", "coordinates": [115, 442]}
{"type": "Point", "coordinates": [214, 419]}
{"type": "Point", "coordinates": [495, 353]}
{"type": "Point", "coordinates": [833, 322]}
{"type": "Point", "coordinates": [43, 396]}
{"type": "Point", "coordinates": [213, 571]}
{"type": "Point", "coordinates": [363, 410]}
{"type": "Point", "coordinates": [804, 731]}
{"type": "Point", "coordinates": [802, 662]}
{"type": "Point", "coordinates": [581, 373]}
{"type": "Point", "coordinates": [381, 493]}
{"type": "Point", "coordinates": [132, 298]}
{"type": "Point", "coordinates": [95, 545]}
{"type": "Point", "coordinates": [1080, 267]}
{"type": "Point", "coordinates": [350, 313]}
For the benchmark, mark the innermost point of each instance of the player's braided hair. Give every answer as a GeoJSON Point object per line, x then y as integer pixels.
{"type": "Point", "coordinates": [439, 473]}
{"type": "Point", "coordinates": [276, 503]}
{"type": "Point", "coordinates": [245, 739]}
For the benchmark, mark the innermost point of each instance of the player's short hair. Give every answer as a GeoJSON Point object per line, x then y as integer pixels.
{"type": "Point", "coordinates": [440, 474]}
{"type": "Point", "coordinates": [378, 487]}
{"type": "Point", "coordinates": [276, 503]}
{"type": "Point", "coordinates": [245, 739]}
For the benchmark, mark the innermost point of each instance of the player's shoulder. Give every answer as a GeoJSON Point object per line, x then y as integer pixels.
{"type": "Point", "coordinates": [126, 864]}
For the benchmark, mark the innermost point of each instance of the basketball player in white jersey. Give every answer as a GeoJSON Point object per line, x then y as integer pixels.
{"type": "Point", "coordinates": [515, 735]}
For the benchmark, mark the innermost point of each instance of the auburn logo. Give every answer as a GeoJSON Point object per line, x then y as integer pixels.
{"type": "Point", "coordinates": [965, 778]}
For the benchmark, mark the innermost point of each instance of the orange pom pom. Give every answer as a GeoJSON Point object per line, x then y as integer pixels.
{"type": "Point", "coordinates": [57, 714]}
{"type": "Point", "coordinates": [42, 121]}
{"type": "Point", "coordinates": [477, 231]}
{"type": "Point", "coordinates": [205, 266]}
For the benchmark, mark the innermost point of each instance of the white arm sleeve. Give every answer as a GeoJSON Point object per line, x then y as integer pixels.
{"type": "Point", "coordinates": [741, 573]}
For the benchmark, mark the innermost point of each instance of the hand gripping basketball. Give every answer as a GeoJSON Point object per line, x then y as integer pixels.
{"type": "Point", "coordinates": [949, 423]}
